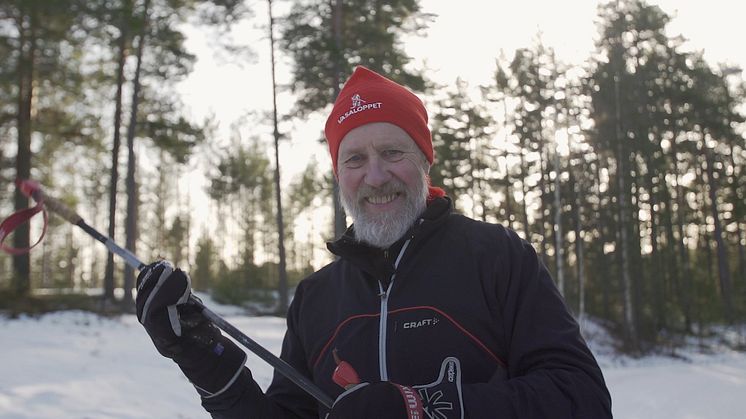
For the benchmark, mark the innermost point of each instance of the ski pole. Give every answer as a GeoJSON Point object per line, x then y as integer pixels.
{"type": "Point", "coordinates": [33, 190]}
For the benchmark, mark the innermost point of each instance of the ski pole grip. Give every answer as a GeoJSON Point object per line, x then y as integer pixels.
{"type": "Point", "coordinates": [32, 189]}
{"type": "Point", "coordinates": [58, 207]}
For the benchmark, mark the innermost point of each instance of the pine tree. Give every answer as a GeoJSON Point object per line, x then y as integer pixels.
{"type": "Point", "coordinates": [326, 39]}
{"type": "Point", "coordinates": [41, 74]}
{"type": "Point", "coordinates": [462, 135]}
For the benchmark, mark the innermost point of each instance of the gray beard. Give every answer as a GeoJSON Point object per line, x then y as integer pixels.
{"type": "Point", "coordinates": [384, 229]}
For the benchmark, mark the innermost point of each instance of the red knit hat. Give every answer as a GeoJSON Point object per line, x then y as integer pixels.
{"type": "Point", "coordinates": [369, 97]}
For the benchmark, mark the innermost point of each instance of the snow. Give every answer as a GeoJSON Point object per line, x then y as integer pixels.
{"type": "Point", "coordinates": [75, 364]}
{"type": "Point", "coordinates": [707, 387]}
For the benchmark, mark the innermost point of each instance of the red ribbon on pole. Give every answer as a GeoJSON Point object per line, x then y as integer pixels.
{"type": "Point", "coordinates": [27, 187]}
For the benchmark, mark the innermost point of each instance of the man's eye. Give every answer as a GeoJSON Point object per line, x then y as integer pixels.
{"type": "Point", "coordinates": [392, 155]}
{"type": "Point", "coordinates": [354, 161]}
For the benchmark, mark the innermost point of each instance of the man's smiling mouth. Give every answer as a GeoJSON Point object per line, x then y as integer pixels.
{"type": "Point", "coordinates": [381, 199]}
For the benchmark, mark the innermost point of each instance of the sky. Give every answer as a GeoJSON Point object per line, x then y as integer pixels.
{"type": "Point", "coordinates": [76, 365]}
{"type": "Point", "coordinates": [463, 41]}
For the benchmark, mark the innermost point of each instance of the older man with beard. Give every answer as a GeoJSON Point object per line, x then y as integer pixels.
{"type": "Point", "coordinates": [425, 314]}
{"type": "Point", "coordinates": [383, 182]}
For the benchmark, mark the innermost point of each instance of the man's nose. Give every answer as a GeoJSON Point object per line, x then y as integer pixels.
{"type": "Point", "coordinates": [377, 173]}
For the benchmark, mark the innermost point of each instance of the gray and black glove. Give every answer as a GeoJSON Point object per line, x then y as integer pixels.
{"type": "Point", "coordinates": [441, 399]}
{"type": "Point", "coordinates": [179, 331]}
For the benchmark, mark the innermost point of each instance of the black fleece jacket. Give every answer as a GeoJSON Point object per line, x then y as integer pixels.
{"type": "Point", "coordinates": [461, 288]}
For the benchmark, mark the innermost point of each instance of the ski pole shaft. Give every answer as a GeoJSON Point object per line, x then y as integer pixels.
{"type": "Point", "coordinates": [132, 260]}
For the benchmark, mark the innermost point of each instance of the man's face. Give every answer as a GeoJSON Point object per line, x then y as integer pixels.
{"type": "Point", "coordinates": [382, 181]}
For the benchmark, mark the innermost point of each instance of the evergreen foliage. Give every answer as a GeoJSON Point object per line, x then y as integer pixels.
{"type": "Point", "coordinates": [626, 172]}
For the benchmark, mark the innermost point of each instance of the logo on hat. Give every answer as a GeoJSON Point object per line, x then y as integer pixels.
{"type": "Point", "coordinates": [358, 105]}
{"type": "Point", "coordinates": [356, 101]}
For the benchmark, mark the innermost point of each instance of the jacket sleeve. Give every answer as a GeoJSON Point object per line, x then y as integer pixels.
{"type": "Point", "coordinates": [283, 399]}
{"type": "Point", "coordinates": [550, 370]}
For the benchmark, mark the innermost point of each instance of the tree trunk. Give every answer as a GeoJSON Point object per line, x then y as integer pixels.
{"type": "Point", "coordinates": [165, 184]}
{"type": "Point", "coordinates": [283, 278]}
{"type": "Point", "coordinates": [623, 254]}
{"type": "Point", "coordinates": [579, 249]}
{"type": "Point", "coordinates": [636, 262]}
{"type": "Point", "coordinates": [27, 44]}
{"type": "Point", "coordinates": [508, 201]}
{"type": "Point", "coordinates": [557, 229]}
{"type": "Point", "coordinates": [686, 273]}
{"type": "Point", "coordinates": [741, 252]}
{"type": "Point", "coordinates": [131, 182]}
{"type": "Point", "coordinates": [506, 179]}
{"type": "Point", "coordinates": [70, 268]}
{"type": "Point", "coordinates": [524, 175]}
{"type": "Point", "coordinates": [623, 241]}
{"type": "Point", "coordinates": [558, 235]}
{"type": "Point", "coordinates": [603, 276]}
{"type": "Point", "coordinates": [704, 237]}
{"type": "Point", "coordinates": [656, 272]}
{"type": "Point", "coordinates": [675, 282]}
{"type": "Point", "coordinates": [738, 209]}
{"type": "Point", "coordinates": [114, 176]}
{"type": "Point", "coordinates": [340, 219]}
{"type": "Point", "coordinates": [726, 291]}
{"type": "Point", "coordinates": [543, 197]}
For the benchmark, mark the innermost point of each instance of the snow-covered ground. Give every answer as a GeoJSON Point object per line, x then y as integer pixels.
{"type": "Point", "coordinates": [78, 365]}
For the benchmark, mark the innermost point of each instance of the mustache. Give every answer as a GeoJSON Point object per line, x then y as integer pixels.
{"type": "Point", "coordinates": [388, 188]}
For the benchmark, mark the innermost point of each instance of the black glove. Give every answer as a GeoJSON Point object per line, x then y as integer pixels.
{"type": "Point", "coordinates": [179, 331]}
{"type": "Point", "coordinates": [377, 400]}
{"type": "Point", "coordinates": [441, 399]}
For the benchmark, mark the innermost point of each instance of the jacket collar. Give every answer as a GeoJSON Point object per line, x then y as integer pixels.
{"type": "Point", "coordinates": [380, 262]}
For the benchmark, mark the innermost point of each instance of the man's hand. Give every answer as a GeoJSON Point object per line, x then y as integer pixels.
{"type": "Point", "coordinates": [161, 294]}
{"type": "Point", "coordinates": [377, 400]}
{"type": "Point", "coordinates": [440, 399]}
{"type": "Point", "coordinates": [179, 331]}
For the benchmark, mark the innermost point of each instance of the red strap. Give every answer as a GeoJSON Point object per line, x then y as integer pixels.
{"type": "Point", "coordinates": [23, 216]}
{"type": "Point", "coordinates": [412, 402]}
{"type": "Point", "coordinates": [28, 186]}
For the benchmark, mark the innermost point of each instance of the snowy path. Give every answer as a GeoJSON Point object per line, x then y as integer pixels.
{"type": "Point", "coordinates": [708, 387]}
{"type": "Point", "coordinates": [76, 365]}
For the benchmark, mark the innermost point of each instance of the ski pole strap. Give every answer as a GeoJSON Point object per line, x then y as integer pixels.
{"type": "Point", "coordinates": [23, 216]}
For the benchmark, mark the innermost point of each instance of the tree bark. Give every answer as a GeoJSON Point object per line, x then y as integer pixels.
{"type": "Point", "coordinates": [602, 268]}
{"type": "Point", "coordinates": [726, 291]}
{"type": "Point", "coordinates": [340, 219]}
{"type": "Point", "coordinates": [508, 190]}
{"type": "Point", "coordinates": [283, 278]}
{"type": "Point", "coordinates": [656, 272]}
{"type": "Point", "coordinates": [27, 44]}
{"type": "Point", "coordinates": [524, 175]}
{"type": "Point", "coordinates": [131, 182]}
{"type": "Point", "coordinates": [114, 175]}
{"type": "Point", "coordinates": [543, 197]}
{"type": "Point", "coordinates": [579, 248]}
{"type": "Point", "coordinates": [558, 234]}
{"type": "Point", "coordinates": [623, 241]}
{"type": "Point", "coordinates": [685, 291]}
{"type": "Point", "coordinates": [738, 205]}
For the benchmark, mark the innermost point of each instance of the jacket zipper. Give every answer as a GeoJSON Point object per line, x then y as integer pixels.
{"type": "Point", "coordinates": [384, 316]}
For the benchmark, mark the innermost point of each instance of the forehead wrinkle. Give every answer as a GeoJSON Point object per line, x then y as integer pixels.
{"type": "Point", "coordinates": [379, 144]}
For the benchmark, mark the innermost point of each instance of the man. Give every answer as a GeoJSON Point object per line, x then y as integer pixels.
{"type": "Point", "coordinates": [426, 313]}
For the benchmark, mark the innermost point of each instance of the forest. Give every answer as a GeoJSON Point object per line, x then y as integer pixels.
{"type": "Point", "coordinates": [626, 171]}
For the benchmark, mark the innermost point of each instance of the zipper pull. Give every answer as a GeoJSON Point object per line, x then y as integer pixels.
{"type": "Point", "coordinates": [381, 291]}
